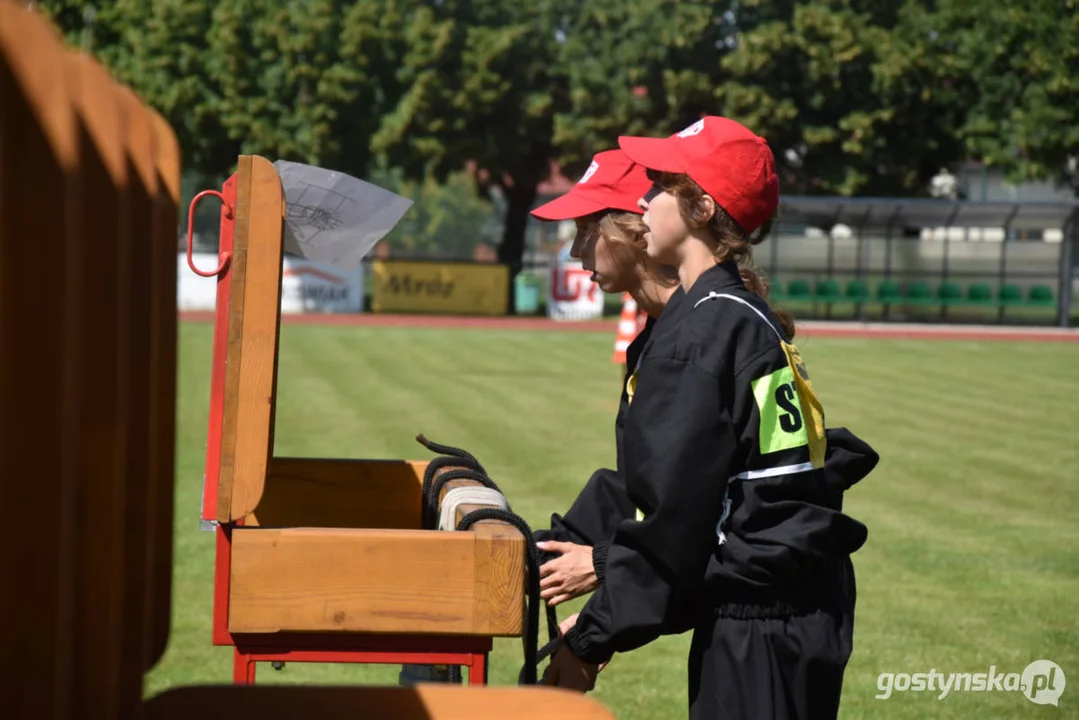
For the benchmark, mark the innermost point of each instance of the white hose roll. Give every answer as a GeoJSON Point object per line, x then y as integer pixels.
{"type": "Point", "coordinates": [468, 495]}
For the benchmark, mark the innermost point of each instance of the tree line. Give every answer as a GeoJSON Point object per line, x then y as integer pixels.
{"type": "Point", "coordinates": [856, 97]}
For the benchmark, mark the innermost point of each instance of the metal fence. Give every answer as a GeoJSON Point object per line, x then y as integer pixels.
{"type": "Point", "coordinates": [907, 258]}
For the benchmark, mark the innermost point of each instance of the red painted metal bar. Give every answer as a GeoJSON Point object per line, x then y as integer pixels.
{"type": "Point", "coordinates": [469, 652]}
{"type": "Point", "coordinates": [477, 671]}
{"type": "Point", "coordinates": [223, 545]}
{"type": "Point", "coordinates": [222, 577]}
{"type": "Point", "coordinates": [244, 664]}
{"type": "Point", "coordinates": [358, 656]}
{"type": "Point", "coordinates": [243, 669]}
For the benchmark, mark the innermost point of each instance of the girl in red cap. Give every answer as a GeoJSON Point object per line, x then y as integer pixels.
{"type": "Point", "coordinates": [610, 243]}
{"type": "Point", "coordinates": [739, 532]}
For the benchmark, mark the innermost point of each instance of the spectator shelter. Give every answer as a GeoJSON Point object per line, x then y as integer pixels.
{"type": "Point", "coordinates": [904, 257]}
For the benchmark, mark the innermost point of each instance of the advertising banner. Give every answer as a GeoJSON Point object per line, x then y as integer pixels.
{"type": "Point", "coordinates": [434, 287]}
{"type": "Point", "coordinates": [306, 286]}
{"type": "Point", "coordinates": [572, 295]}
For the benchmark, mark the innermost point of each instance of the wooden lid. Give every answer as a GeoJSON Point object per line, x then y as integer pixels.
{"type": "Point", "coordinates": [254, 318]}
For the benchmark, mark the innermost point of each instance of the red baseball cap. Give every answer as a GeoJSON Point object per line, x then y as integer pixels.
{"type": "Point", "coordinates": [730, 163]}
{"type": "Point", "coordinates": [611, 182]}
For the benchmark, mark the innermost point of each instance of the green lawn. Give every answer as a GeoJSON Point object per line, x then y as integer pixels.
{"type": "Point", "coordinates": [973, 551]}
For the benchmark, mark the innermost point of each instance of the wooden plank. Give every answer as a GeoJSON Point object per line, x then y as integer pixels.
{"type": "Point", "coordinates": [501, 572]}
{"type": "Point", "coordinates": [350, 580]}
{"type": "Point", "coordinates": [142, 192]}
{"type": "Point", "coordinates": [379, 581]}
{"type": "Point", "coordinates": [237, 278]}
{"type": "Point", "coordinates": [314, 492]}
{"type": "Point", "coordinates": [163, 330]}
{"type": "Point", "coordinates": [101, 525]}
{"type": "Point", "coordinates": [39, 248]}
{"type": "Point", "coordinates": [254, 323]}
{"type": "Point", "coordinates": [262, 325]}
{"type": "Point", "coordinates": [424, 702]}
{"type": "Point", "coordinates": [497, 604]}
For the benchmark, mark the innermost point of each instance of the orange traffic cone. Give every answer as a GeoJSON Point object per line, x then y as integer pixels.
{"type": "Point", "coordinates": [631, 323]}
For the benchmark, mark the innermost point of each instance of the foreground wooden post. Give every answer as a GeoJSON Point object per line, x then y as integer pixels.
{"type": "Point", "coordinates": [89, 187]}
{"type": "Point", "coordinates": [89, 180]}
{"type": "Point", "coordinates": [40, 248]}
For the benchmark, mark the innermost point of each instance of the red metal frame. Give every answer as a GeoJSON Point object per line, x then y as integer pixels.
{"type": "Point", "coordinates": [376, 649]}
{"type": "Point", "coordinates": [471, 652]}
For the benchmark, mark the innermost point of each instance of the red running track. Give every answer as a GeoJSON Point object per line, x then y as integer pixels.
{"type": "Point", "coordinates": [897, 331]}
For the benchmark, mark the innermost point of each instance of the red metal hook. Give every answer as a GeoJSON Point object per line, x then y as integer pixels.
{"type": "Point", "coordinates": [191, 227]}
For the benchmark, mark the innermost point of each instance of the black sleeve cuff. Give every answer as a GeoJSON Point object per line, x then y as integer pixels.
{"type": "Point", "coordinates": [583, 650]}
{"type": "Point", "coordinates": [599, 560]}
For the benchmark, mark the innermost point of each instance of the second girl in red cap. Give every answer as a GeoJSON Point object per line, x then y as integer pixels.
{"type": "Point", "coordinates": [610, 244]}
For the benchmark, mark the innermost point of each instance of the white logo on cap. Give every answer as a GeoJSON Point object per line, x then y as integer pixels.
{"type": "Point", "coordinates": [694, 129]}
{"type": "Point", "coordinates": [589, 173]}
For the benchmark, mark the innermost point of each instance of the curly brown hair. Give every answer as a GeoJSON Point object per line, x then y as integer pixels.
{"type": "Point", "coordinates": [625, 231]}
{"type": "Point", "coordinates": [731, 241]}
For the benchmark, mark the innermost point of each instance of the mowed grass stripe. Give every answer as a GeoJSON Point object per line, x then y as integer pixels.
{"type": "Point", "coordinates": [1004, 401]}
{"type": "Point", "coordinates": [971, 553]}
{"type": "Point", "coordinates": [966, 562]}
{"type": "Point", "coordinates": [492, 391]}
{"type": "Point", "coordinates": [988, 461]}
{"type": "Point", "coordinates": [992, 450]}
{"type": "Point", "coordinates": [999, 476]}
{"type": "Point", "coordinates": [383, 383]}
{"type": "Point", "coordinates": [959, 510]}
{"type": "Point", "coordinates": [1010, 400]}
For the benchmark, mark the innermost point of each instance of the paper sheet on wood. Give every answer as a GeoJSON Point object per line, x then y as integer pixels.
{"type": "Point", "coordinates": [335, 218]}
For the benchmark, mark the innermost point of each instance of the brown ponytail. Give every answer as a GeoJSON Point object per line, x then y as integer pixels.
{"type": "Point", "coordinates": [756, 283]}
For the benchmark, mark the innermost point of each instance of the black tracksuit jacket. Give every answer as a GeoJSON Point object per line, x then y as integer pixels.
{"type": "Point", "coordinates": [733, 513]}
{"type": "Point", "coordinates": [603, 502]}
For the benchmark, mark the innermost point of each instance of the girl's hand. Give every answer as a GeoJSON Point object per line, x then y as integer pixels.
{"type": "Point", "coordinates": [568, 576]}
{"type": "Point", "coordinates": [564, 627]}
{"type": "Point", "coordinates": [568, 671]}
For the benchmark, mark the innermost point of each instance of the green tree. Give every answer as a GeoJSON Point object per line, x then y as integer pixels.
{"type": "Point", "coordinates": [517, 87]}
{"type": "Point", "coordinates": [837, 98]}
{"type": "Point", "coordinates": [295, 79]}
{"type": "Point", "coordinates": [856, 96]}
{"type": "Point", "coordinates": [159, 49]}
{"type": "Point", "coordinates": [447, 219]}
{"type": "Point", "coordinates": [1012, 70]}
{"type": "Point", "coordinates": [178, 81]}
{"type": "Point", "coordinates": [86, 24]}
{"type": "Point", "coordinates": [308, 80]}
{"type": "Point", "coordinates": [633, 67]}
{"type": "Point", "coordinates": [478, 88]}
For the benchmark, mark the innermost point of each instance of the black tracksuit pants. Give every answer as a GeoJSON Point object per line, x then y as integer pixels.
{"type": "Point", "coordinates": [758, 663]}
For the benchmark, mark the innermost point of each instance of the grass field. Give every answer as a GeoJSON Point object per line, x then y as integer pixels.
{"type": "Point", "coordinates": [973, 551]}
